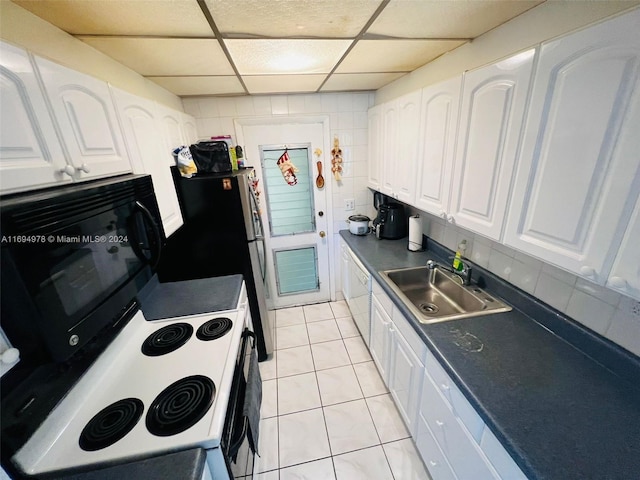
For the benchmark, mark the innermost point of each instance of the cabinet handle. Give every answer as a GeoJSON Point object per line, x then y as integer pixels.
{"type": "Point", "coordinates": [451, 219]}
{"type": "Point", "coordinates": [432, 463]}
{"type": "Point", "coordinates": [84, 168]}
{"type": "Point", "coordinates": [444, 387]}
{"type": "Point", "coordinates": [443, 215]}
{"type": "Point", "coordinates": [587, 271]}
{"type": "Point", "coordinates": [68, 170]}
{"type": "Point", "coordinates": [439, 423]}
{"type": "Point", "coordinates": [618, 282]}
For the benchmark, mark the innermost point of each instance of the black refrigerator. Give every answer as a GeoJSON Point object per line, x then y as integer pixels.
{"type": "Point", "coordinates": [222, 235]}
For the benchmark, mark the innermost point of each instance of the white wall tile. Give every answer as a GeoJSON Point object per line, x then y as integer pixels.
{"type": "Point", "coordinates": [499, 263]}
{"type": "Point", "coordinates": [345, 102]}
{"type": "Point", "coordinates": [262, 105]}
{"type": "Point", "coordinates": [361, 102]}
{"type": "Point", "coordinates": [279, 105]}
{"type": "Point", "coordinates": [244, 106]}
{"type": "Point", "coordinates": [209, 107]}
{"type": "Point", "coordinates": [590, 311]}
{"type": "Point", "coordinates": [192, 106]}
{"type": "Point", "coordinates": [207, 126]}
{"type": "Point", "coordinates": [227, 107]}
{"type": "Point", "coordinates": [296, 104]}
{"type": "Point", "coordinates": [553, 291]}
{"type": "Point", "coordinates": [524, 275]}
{"type": "Point", "coordinates": [345, 120]}
{"type": "Point", "coordinates": [329, 102]}
{"type": "Point", "coordinates": [559, 274]}
{"type": "Point", "coordinates": [312, 103]}
{"type": "Point", "coordinates": [602, 293]}
{"type": "Point", "coordinates": [360, 136]}
{"type": "Point", "coordinates": [625, 325]}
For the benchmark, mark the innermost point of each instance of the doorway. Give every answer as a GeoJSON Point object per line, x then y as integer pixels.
{"type": "Point", "coordinates": [295, 212]}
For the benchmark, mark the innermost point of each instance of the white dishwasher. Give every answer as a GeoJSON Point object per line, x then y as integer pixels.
{"type": "Point", "coordinates": [360, 296]}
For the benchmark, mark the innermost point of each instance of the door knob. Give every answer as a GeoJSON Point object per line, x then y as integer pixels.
{"type": "Point", "coordinates": [322, 234]}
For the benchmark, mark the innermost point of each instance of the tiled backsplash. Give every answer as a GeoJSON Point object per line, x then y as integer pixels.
{"type": "Point", "coordinates": [608, 313]}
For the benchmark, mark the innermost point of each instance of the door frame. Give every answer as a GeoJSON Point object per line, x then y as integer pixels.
{"type": "Point", "coordinates": [269, 121]}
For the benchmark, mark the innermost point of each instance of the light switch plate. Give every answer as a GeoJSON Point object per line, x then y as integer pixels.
{"type": "Point", "coordinates": [349, 204]}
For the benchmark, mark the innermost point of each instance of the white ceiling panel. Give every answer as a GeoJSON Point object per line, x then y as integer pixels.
{"type": "Point", "coordinates": [165, 56]}
{"type": "Point", "coordinates": [446, 18]}
{"type": "Point", "coordinates": [370, 56]}
{"type": "Point", "coordinates": [185, 86]}
{"type": "Point", "coordinates": [358, 81]}
{"type": "Point", "coordinates": [169, 18]}
{"type": "Point", "coordinates": [261, 84]}
{"type": "Point", "coordinates": [270, 57]}
{"type": "Point", "coordinates": [292, 18]}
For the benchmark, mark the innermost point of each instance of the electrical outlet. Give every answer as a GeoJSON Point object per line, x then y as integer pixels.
{"type": "Point", "coordinates": [349, 204]}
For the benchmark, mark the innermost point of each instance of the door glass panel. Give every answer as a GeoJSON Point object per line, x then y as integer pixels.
{"type": "Point", "coordinates": [289, 194]}
{"type": "Point", "coordinates": [296, 270]}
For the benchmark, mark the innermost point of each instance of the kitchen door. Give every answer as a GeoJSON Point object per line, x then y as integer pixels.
{"type": "Point", "coordinates": [293, 210]}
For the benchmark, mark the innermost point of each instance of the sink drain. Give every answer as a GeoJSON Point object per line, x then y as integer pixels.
{"type": "Point", "coordinates": [428, 308]}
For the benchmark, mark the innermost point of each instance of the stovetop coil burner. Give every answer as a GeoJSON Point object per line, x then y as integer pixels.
{"type": "Point", "coordinates": [167, 339]}
{"type": "Point", "coordinates": [111, 424]}
{"type": "Point", "coordinates": [180, 406]}
{"type": "Point", "coordinates": [214, 328]}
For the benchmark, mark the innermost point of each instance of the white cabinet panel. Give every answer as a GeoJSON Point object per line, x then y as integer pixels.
{"type": "Point", "coordinates": [434, 459]}
{"type": "Point", "coordinates": [30, 153]}
{"type": "Point", "coordinates": [389, 146]}
{"type": "Point", "coordinates": [580, 164]}
{"type": "Point", "coordinates": [438, 127]}
{"type": "Point", "coordinates": [405, 377]}
{"type": "Point", "coordinates": [491, 117]}
{"type": "Point", "coordinates": [375, 142]}
{"type": "Point", "coordinates": [625, 274]}
{"type": "Point", "coordinates": [144, 144]}
{"type": "Point", "coordinates": [171, 125]}
{"type": "Point", "coordinates": [380, 343]}
{"type": "Point", "coordinates": [84, 112]}
{"type": "Point", "coordinates": [406, 157]}
{"type": "Point", "coordinates": [189, 129]}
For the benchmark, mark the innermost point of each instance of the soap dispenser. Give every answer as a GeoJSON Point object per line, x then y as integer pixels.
{"type": "Point", "coordinates": [458, 266]}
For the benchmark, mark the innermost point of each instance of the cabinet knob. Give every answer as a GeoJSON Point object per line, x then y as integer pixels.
{"type": "Point", "coordinates": [432, 463]}
{"type": "Point", "coordinates": [587, 271]}
{"type": "Point", "coordinates": [451, 219]}
{"type": "Point", "coordinates": [443, 215]}
{"type": "Point", "coordinates": [84, 168]}
{"type": "Point", "coordinates": [439, 423]}
{"type": "Point", "coordinates": [618, 282]}
{"type": "Point", "coordinates": [68, 170]}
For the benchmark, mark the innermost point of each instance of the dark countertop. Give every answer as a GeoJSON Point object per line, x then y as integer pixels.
{"type": "Point", "coordinates": [563, 401]}
{"type": "Point", "coordinates": [189, 297]}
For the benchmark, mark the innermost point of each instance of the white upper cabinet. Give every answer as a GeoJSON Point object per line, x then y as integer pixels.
{"type": "Point", "coordinates": [438, 125]}
{"type": "Point", "coordinates": [491, 116]}
{"type": "Point", "coordinates": [144, 143]}
{"type": "Point", "coordinates": [375, 132]}
{"type": "Point", "coordinates": [625, 274]}
{"type": "Point", "coordinates": [87, 120]}
{"type": "Point", "coordinates": [171, 127]}
{"type": "Point", "coordinates": [579, 173]}
{"type": "Point", "coordinates": [189, 129]}
{"type": "Point", "coordinates": [401, 123]}
{"type": "Point", "coordinates": [30, 153]}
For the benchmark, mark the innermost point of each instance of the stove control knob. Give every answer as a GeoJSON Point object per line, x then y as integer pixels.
{"type": "Point", "coordinates": [73, 340]}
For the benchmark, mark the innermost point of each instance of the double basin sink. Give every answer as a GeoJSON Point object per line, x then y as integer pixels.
{"type": "Point", "coordinates": [437, 295]}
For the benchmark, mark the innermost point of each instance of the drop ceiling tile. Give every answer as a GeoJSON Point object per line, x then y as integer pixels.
{"type": "Point", "coordinates": [291, 18]}
{"type": "Point", "coordinates": [272, 57]}
{"type": "Point", "coordinates": [205, 85]}
{"type": "Point", "coordinates": [123, 17]}
{"type": "Point", "coordinates": [446, 18]}
{"type": "Point", "coordinates": [260, 84]}
{"type": "Point", "coordinates": [165, 56]}
{"type": "Point", "coordinates": [358, 81]}
{"type": "Point", "coordinates": [370, 56]}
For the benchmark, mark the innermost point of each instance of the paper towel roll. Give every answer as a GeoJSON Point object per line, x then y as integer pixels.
{"type": "Point", "coordinates": [415, 233]}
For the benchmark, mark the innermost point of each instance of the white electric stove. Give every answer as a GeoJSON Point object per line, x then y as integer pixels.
{"type": "Point", "coordinates": [160, 386]}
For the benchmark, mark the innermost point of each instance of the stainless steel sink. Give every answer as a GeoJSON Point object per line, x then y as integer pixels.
{"type": "Point", "coordinates": [435, 295]}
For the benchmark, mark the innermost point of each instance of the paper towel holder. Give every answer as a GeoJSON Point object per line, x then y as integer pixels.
{"type": "Point", "coordinates": [415, 234]}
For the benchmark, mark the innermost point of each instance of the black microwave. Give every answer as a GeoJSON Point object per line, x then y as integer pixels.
{"type": "Point", "coordinates": [72, 259]}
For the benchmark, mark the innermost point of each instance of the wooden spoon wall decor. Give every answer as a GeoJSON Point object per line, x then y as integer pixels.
{"type": "Point", "coordinates": [320, 179]}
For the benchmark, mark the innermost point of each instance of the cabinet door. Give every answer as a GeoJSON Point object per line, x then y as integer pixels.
{"type": "Point", "coordinates": [85, 114]}
{"type": "Point", "coordinates": [405, 161]}
{"type": "Point", "coordinates": [380, 339]}
{"type": "Point", "coordinates": [171, 124]}
{"type": "Point", "coordinates": [491, 116]}
{"type": "Point", "coordinates": [579, 170]}
{"type": "Point", "coordinates": [189, 129]}
{"type": "Point", "coordinates": [438, 127]}
{"type": "Point", "coordinates": [405, 377]}
{"type": "Point", "coordinates": [144, 144]}
{"type": "Point", "coordinates": [625, 274]}
{"type": "Point", "coordinates": [375, 133]}
{"type": "Point", "coordinates": [389, 146]}
{"type": "Point", "coordinates": [30, 153]}
{"type": "Point", "coordinates": [344, 270]}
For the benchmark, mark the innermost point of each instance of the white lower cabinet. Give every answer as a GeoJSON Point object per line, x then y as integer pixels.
{"type": "Point", "coordinates": [450, 435]}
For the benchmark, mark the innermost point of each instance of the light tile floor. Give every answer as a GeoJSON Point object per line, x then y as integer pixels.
{"type": "Point", "coordinates": [326, 414]}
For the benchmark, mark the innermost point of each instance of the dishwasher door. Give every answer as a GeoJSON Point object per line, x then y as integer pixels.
{"type": "Point", "coordinates": [360, 292]}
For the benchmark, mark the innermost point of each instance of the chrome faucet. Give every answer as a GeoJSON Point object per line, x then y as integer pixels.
{"type": "Point", "coordinates": [464, 275]}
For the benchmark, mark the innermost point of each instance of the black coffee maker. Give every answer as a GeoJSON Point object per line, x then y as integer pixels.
{"type": "Point", "coordinates": [390, 222]}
